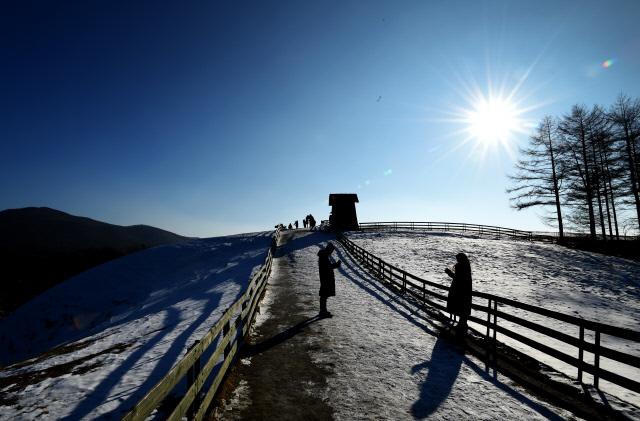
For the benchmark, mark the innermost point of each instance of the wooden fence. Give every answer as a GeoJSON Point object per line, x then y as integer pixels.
{"type": "Point", "coordinates": [483, 230]}
{"type": "Point", "coordinates": [447, 227]}
{"type": "Point", "coordinates": [501, 308]}
{"type": "Point", "coordinates": [231, 329]}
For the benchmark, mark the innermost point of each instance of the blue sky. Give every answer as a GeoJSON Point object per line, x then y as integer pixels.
{"type": "Point", "coordinates": [211, 118]}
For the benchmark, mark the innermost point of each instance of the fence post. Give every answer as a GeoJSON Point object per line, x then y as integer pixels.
{"type": "Point", "coordinates": [404, 282]}
{"type": "Point", "coordinates": [488, 316]}
{"type": "Point", "coordinates": [580, 353]}
{"type": "Point", "coordinates": [596, 360]}
{"type": "Point", "coordinates": [488, 341]}
{"type": "Point", "coordinates": [243, 320]}
{"type": "Point", "coordinates": [225, 330]}
{"type": "Point", "coordinates": [192, 375]}
{"type": "Point", "coordinates": [495, 329]}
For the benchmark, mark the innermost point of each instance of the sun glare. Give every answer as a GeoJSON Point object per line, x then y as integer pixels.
{"type": "Point", "coordinates": [493, 120]}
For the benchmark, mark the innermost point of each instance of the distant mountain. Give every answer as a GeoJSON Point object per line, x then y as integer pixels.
{"type": "Point", "coordinates": [40, 247]}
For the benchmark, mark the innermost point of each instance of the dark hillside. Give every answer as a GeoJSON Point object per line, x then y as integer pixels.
{"type": "Point", "coordinates": [40, 247]}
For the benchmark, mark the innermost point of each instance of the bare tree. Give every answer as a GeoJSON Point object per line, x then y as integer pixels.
{"type": "Point", "coordinates": [538, 176]}
{"type": "Point", "coordinates": [574, 129]}
{"type": "Point", "coordinates": [625, 116]}
{"type": "Point", "coordinates": [596, 134]}
{"type": "Point", "coordinates": [586, 165]}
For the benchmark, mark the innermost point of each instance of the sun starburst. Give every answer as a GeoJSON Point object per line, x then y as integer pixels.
{"type": "Point", "coordinates": [493, 117]}
{"type": "Point", "coordinates": [493, 121]}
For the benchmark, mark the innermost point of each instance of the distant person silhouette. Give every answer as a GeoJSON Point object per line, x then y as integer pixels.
{"type": "Point", "coordinates": [459, 299]}
{"type": "Point", "coordinates": [312, 221]}
{"type": "Point", "coordinates": [296, 224]}
{"type": "Point", "coordinates": [327, 279]}
{"type": "Point", "coordinates": [290, 227]}
{"type": "Point", "coordinates": [304, 222]}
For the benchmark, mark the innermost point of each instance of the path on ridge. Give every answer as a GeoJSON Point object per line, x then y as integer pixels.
{"type": "Point", "coordinates": [378, 357]}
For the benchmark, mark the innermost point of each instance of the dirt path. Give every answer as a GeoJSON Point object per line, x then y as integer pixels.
{"type": "Point", "coordinates": [276, 377]}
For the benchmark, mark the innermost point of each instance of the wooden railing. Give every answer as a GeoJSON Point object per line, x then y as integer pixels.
{"type": "Point", "coordinates": [449, 227]}
{"type": "Point", "coordinates": [484, 230]}
{"type": "Point", "coordinates": [231, 328]}
{"type": "Point", "coordinates": [497, 308]}
{"type": "Point", "coordinates": [585, 235]}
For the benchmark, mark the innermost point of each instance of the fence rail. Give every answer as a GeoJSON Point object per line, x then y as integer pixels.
{"type": "Point", "coordinates": [497, 307]}
{"type": "Point", "coordinates": [231, 329]}
{"type": "Point", "coordinates": [483, 230]}
{"type": "Point", "coordinates": [448, 226]}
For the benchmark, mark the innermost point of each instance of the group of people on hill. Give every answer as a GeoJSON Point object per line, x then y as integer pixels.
{"type": "Point", "coordinates": [458, 300]}
{"type": "Point", "coordinates": [308, 222]}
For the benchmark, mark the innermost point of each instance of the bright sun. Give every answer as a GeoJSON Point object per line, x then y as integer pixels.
{"type": "Point", "coordinates": [493, 120]}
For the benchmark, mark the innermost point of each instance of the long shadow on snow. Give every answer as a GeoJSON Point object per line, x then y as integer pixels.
{"type": "Point", "coordinates": [373, 288]}
{"type": "Point", "coordinates": [285, 335]}
{"type": "Point", "coordinates": [101, 392]}
{"type": "Point", "coordinates": [445, 362]}
{"type": "Point", "coordinates": [541, 409]}
{"type": "Point", "coordinates": [301, 239]}
{"type": "Point", "coordinates": [133, 273]}
{"type": "Point", "coordinates": [171, 355]}
{"type": "Point", "coordinates": [444, 367]}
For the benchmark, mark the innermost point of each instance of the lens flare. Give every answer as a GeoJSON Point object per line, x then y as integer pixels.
{"type": "Point", "coordinates": [607, 63]}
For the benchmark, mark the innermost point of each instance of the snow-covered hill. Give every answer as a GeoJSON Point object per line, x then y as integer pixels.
{"type": "Point", "coordinates": [101, 340]}
{"type": "Point", "coordinates": [119, 327]}
{"type": "Point", "coordinates": [584, 284]}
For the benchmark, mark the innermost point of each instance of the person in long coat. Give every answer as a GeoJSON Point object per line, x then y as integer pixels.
{"type": "Point", "coordinates": [459, 298]}
{"type": "Point", "coordinates": [327, 279]}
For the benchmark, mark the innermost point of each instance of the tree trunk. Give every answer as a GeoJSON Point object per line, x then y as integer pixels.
{"type": "Point", "coordinates": [632, 170]}
{"type": "Point", "coordinates": [597, 180]}
{"type": "Point", "coordinates": [556, 190]}
{"type": "Point", "coordinates": [592, 221]}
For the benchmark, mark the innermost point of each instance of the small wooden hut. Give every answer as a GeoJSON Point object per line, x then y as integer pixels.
{"type": "Point", "coordinates": [343, 211]}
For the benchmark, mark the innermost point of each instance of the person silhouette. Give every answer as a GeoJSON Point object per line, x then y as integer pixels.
{"type": "Point", "coordinates": [327, 278]}
{"type": "Point", "coordinates": [459, 298]}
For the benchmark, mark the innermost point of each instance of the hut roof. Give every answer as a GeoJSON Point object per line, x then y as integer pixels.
{"type": "Point", "coordinates": [335, 198]}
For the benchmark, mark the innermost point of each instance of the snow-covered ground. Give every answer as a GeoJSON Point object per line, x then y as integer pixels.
{"type": "Point", "coordinates": [119, 327]}
{"type": "Point", "coordinates": [588, 285]}
{"type": "Point", "coordinates": [382, 355]}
